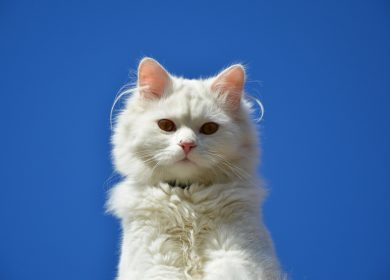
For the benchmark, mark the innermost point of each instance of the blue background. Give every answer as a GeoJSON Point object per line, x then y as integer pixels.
{"type": "Point", "coordinates": [321, 68]}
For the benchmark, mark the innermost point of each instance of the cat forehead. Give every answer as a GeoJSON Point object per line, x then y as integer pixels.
{"type": "Point", "coordinates": [190, 99]}
{"type": "Point", "coordinates": [190, 88]}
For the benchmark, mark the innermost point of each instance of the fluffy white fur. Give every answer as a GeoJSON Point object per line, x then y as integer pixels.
{"type": "Point", "coordinates": [212, 229]}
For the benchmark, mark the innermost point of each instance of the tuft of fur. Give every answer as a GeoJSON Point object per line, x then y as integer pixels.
{"type": "Point", "coordinates": [210, 230]}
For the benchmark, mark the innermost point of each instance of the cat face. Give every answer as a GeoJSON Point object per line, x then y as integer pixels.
{"type": "Point", "coordinates": [174, 129]}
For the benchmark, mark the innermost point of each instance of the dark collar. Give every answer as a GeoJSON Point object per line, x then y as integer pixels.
{"type": "Point", "coordinates": [181, 185]}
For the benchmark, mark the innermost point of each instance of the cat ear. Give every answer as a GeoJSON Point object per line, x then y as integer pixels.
{"type": "Point", "coordinates": [153, 79]}
{"type": "Point", "coordinates": [229, 84]}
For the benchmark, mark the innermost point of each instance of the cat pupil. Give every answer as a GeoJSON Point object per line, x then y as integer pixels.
{"type": "Point", "coordinates": [209, 128]}
{"type": "Point", "coordinates": [166, 125]}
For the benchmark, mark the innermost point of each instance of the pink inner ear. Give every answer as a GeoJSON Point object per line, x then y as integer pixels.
{"type": "Point", "coordinates": [153, 79]}
{"type": "Point", "coordinates": [230, 84]}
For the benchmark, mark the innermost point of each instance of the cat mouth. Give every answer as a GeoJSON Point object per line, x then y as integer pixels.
{"type": "Point", "coordinates": [186, 160]}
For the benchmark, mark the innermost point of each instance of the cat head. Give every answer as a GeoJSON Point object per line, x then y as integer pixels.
{"type": "Point", "coordinates": [187, 131]}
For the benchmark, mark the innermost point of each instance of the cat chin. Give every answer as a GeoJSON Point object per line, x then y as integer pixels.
{"type": "Point", "coordinates": [181, 171]}
{"type": "Point", "coordinates": [184, 168]}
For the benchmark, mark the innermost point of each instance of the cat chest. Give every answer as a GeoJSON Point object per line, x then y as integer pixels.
{"type": "Point", "coordinates": [176, 232]}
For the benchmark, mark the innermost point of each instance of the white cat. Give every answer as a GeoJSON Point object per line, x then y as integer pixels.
{"type": "Point", "coordinates": [189, 202]}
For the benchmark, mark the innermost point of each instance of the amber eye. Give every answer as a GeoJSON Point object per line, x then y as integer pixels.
{"type": "Point", "coordinates": [166, 125]}
{"type": "Point", "coordinates": [209, 128]}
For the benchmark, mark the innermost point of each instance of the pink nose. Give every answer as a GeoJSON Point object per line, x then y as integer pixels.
{"type": "Point", "coordinates": [187, 146]}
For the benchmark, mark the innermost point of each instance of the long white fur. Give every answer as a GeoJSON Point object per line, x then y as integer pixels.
{"type": "Point", "coordinates": [212, 230]}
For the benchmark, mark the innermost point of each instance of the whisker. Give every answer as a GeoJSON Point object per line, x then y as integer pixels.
{"type": "Point", "coordinates": [239, 172]}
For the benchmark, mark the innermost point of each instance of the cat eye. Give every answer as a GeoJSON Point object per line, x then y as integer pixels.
{"type": "Point", "coordinates": [166, 125]}
{"type": "Point", "coordinates": [209, 128]}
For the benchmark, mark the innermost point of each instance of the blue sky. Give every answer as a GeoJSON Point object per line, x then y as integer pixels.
{"type": "Point", "coordinates": [321, 69]}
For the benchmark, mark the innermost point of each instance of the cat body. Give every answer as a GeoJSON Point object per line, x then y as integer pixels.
{"type": "Point", "coordinates": [189, 202]}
